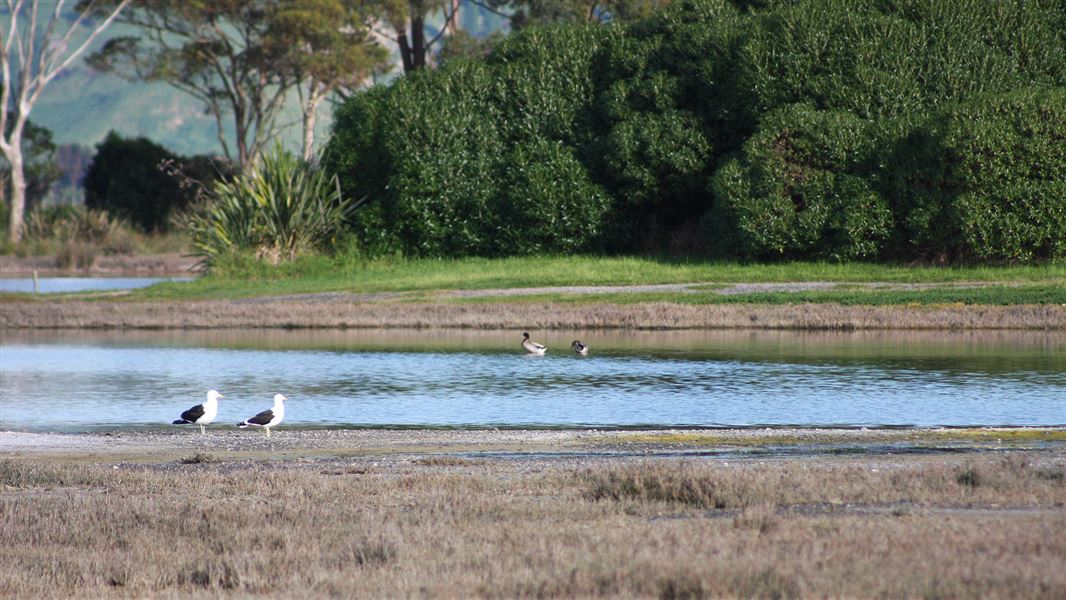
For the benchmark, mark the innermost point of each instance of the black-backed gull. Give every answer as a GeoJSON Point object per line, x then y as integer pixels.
{"type": "Point", "coordinates": [201, 414]}
{"type": "Point", "coordinates": [267, 418]}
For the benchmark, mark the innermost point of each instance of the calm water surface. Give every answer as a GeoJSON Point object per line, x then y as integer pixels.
{"type": "Point", "coordinates": [89, 381]}
{"type": "Point", "coordinates": [55, 285]}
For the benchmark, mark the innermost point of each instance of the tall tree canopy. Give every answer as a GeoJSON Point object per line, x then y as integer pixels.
{"type": "Point", "coordinates": [324, 45]}
{"type": "Point", "coordinates": [242, 57]}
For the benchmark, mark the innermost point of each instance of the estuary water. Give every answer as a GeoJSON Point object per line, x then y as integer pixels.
{"type": "Point", "coordinates": [57, 285]}
{"type": "Point", "coordinates": [79, 381]}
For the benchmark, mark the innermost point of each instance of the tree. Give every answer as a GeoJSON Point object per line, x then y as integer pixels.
{"type": "Point", "coordinates": [409, 28]}
{"type": "Point", "coordinates": [523, 13]}
{"type": "Point", "coordinates": [133, 178]}
{"type": "Point", "coordinates": [38, 163]}
{"type": "Point", "coordinates": [325, 45]}
{"type": "Point", "coordinates": [212, 50]}
{"type": "Point", "coordinates": [30, 58]}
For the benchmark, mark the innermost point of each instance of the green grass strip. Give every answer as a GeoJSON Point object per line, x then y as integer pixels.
{"type": "Point", "coordinates": [340, 274]}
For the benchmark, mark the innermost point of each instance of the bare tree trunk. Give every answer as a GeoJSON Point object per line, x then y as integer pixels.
{"type": "Point", "coordinates": [418, 41]}
{"type": "Point", "coordinates": [310, 117]}
{"type": "Point", "coordinates": [453, 23]}
{"type": "Point", "coordinates": [405, 51]}
{"type": "Point", "coordinates": [13, 153]}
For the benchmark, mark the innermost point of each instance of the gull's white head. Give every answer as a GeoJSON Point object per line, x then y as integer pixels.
{"type": "Point", "coordinates": [213, 396]}
{"type": "Point", "coordinates": [279, 398]}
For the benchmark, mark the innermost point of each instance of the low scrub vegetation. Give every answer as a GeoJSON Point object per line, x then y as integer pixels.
{"type": "Point", "coordinates": [284, 208]}
{"type": "Point", "coordinates": [76, 235]}
{"type": "Point", "coordinates": [876, 527]}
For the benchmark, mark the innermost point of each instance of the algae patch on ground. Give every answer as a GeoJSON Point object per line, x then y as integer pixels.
{"type": "Point", "coordinates": [791, 438]}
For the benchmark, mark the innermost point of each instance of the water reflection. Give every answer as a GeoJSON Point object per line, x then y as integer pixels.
{"type": "Point", "coordinates": [81, 380]}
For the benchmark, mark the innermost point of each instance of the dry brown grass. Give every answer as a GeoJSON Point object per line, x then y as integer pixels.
{"type": "Point", "coordinates": [940, 528]}
{"type": "Point", "coordinates": [339, 311]}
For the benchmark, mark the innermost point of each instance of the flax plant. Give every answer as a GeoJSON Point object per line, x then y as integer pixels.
{"type": "Point", "coordinates": [285, 207]}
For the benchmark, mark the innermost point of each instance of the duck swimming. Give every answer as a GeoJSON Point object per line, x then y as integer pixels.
{"type": "Point", "coordinates": [531, 346]}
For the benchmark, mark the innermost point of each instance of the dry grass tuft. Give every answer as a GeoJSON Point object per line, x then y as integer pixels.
{"type": "Point", "coordinates": [444, 461]}
{"type": "Point", "coordinates": [762, 518]}
{"type": "Point", "coordinates": [200, 458]}
{"type": "Point", "coordinates": [658, 483]}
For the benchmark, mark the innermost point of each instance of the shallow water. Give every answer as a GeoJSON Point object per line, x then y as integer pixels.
{"type": "Point", "coordinates": [78, 381]}
{"type": "Point", "coordinates": [56, 285]}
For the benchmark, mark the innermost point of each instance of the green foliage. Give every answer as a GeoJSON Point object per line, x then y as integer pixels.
{"type": "Point", "coordinates": [548, 203]}
{"type": "Point", "coordinates": [432, 153]}
{"type": "Point", "coordinates": [38, 166]}
{"type": "Point", "coordinates": [445, 145]}
{"type": "Point", "coordinates": [828, 129]}
{"type": "Point", "coordinates": [894, 58]}
{"type": "Point", "coordinates": [283, 208]}
{"type": "Point", "coordinates": [128, 177]}
{"type": "Point", "coordinates": [986, 179]}
{"type": "Point", "coordinates": [800, 188]}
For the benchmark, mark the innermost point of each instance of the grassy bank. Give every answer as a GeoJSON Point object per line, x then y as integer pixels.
{"type": "Point", "coordinates": [987, 294]}
{"type": "Point", "coordinates": [945, 526]}
{"type": "Point", "coordinates": [323, 274]}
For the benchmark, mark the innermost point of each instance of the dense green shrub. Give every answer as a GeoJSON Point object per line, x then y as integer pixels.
{"type": "Point", "coordinates": [985, 179]}
{"type": "Point", "coordinates": [127, 178]}
{"type": "Point", "coordinates": [547, 203]}
{"type": "Point", "coordinates": [893, 58]}
{"type": "Point", "coordinates": [545, 82]}
{"type": "Point", "coordinates": [656, 144]}
{"type": "Point", "coordinates": [784, 128]}
{"type": "Point", "coordinates": [801, 187]}
{"type": "Point", "coordinates": [444, 143]}
{"type": "Point", "coordinates": [429, 151]}
{"type": "Point", "coordinates": [283, 208]}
